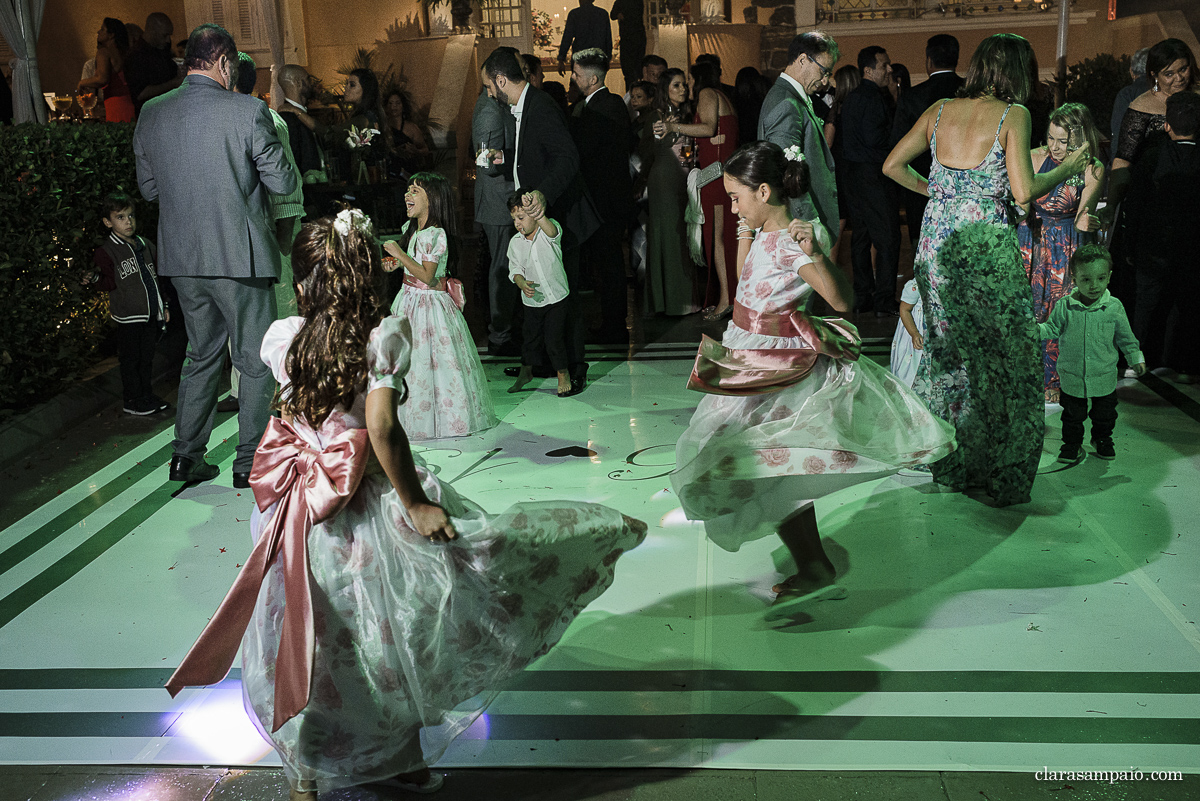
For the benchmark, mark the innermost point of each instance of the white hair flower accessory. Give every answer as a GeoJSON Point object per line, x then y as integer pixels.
{"type": "Point", "coordinates": [793, 153]}
{"type": "Point", "coordinates": [348, 219]}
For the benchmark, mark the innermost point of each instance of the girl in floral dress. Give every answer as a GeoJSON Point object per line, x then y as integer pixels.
{"type": "Point", "coordinates": [403, 599]}
{"type": "Point", "coordinates": [448, 394]}
{"type": "Point", "coordinates": [1060, 221]}
{"type": "Point", "coordinates": [792, 413]}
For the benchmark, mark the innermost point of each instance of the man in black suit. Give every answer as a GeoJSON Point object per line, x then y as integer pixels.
{"type": "Point", "coordinates": [600, 126]}
{"type": "Point", "coordinates": [874, 208]}
{"type": "Point", "coordinates": [941, 58]}
{"type": "Point", "coordinates": [546, 170]}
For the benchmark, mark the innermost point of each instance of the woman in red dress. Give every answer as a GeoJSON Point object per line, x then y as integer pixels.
{"type": "Point", "coordinates": [112, 43]}
{"type": "Point", "coordinates": [716, 131]}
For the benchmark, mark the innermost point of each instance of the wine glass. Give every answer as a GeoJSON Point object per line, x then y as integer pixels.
{"type": "Point", "coordinates": [87, 102]}
{"type": "Point", "coordinates": [61, 104]}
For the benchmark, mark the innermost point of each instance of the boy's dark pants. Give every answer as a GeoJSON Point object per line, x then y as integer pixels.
{"type": "Point", "coordinates": [135, 350]}
{"type": "Point", "coordinates": [1075, 412]}
{"type": "Point", "coordinates": [546, 329]}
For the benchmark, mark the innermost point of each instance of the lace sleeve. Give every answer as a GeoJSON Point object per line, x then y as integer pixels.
{"type": "Point", "coordinates": [1135, 127]}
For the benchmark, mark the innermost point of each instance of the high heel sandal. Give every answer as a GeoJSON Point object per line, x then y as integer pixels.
{"type": "Point", "coordinates": [712, 315]}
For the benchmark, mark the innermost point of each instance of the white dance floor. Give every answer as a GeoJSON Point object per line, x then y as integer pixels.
{"type": "Point", "coordinates": [1061, 633]}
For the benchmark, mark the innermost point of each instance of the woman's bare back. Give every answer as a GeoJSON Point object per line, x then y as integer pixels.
{"type": "Point", "coordinates": [967, 131]}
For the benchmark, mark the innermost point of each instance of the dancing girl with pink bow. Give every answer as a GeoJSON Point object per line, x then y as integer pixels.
{"type": "Point", "coordinates": [377, 599]}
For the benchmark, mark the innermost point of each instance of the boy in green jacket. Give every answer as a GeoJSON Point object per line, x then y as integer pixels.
{"type": "Point", "coordinates": [1090, 325]}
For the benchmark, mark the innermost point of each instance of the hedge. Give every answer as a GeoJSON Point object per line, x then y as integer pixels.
{"type": "Point", "coordinates": [52, 179]}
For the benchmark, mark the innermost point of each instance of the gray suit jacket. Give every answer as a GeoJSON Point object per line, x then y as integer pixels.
{"type": "Point", "coordinates": [493, 126]}
{"type": "Point", "coordinates": [210, 158]}
{"type": "Point", "coordinates": [787, 120]}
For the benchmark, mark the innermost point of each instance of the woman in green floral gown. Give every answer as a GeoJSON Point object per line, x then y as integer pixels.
{"type": "Point", "coordinates": [982, 370]}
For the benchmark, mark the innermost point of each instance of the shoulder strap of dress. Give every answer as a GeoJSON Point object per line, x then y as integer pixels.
{"type": "Point", "coordinates": [939, 116]}
{"type": "Point", "coordinates": [1002, 117]}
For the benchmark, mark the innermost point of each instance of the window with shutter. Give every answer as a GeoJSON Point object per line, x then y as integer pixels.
{"type": "Point", "coordinates": [242, 18]}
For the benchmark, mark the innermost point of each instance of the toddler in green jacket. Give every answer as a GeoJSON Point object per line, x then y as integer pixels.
{"type": "Point", "coordinates": [1090, 325]}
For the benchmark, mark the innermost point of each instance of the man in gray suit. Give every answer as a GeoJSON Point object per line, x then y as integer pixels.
{"type": "Point", "coordinates": [493, 127]}
{"type": "Point", "coordinates": [210, 157]}
{"type": "Point", "coordinates": [788, 119]}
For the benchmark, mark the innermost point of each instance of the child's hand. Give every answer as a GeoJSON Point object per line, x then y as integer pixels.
{"type": "Point", "coordinates": [393, 249]}
{"type": "Point", "coordinates": [802, 232]}
{"type": "Point", "coordinates": [1139, 369]}
{"type": "Point", "coordinates": [918, 342]}
{"type": "Point", "coordinates": [535, 204]}
{"type": "Point", "coordinates": [529, 288]}
{"type": "Point", "coordinates": [431, 521]}
{"type": "Point", "coordinates": [89, 278]}
{"type": "Point", "coordinates": [166, 315]}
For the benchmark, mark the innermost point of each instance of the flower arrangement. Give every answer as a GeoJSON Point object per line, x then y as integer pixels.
{"type": "Point", "coordinates": [542, 29]}
{"type": "Point", "coordinates": [360, 137]}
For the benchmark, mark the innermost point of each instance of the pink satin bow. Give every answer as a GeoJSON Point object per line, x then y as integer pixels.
{"type": "Point", "coordinates": [757, 371]}
{"type": "Point", "coordinates": [451, 286]}
{"type": "Point", "coordinates": [310, 487]}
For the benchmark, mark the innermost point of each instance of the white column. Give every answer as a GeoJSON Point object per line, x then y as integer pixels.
{"type": "Point", "coordinates": [806, 14]}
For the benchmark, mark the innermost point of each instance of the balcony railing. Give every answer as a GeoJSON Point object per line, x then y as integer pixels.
{"type": "Point", "coordinates": [856, 10]}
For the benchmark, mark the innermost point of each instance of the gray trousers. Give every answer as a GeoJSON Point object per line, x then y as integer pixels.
{"type": "Point", "coordinates": [503, 295]}
{"type": "Point", "coordinates": [285, 306]}
{"type": "Point", "coordinates": [216, 311]}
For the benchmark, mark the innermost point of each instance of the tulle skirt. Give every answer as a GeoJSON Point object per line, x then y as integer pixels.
{"type": "Point", "coordinates": [447, 388]}
{"type": "Point", "coordinates": [745, 462]}
{"type": "Point", "coordinates": [408, 629]}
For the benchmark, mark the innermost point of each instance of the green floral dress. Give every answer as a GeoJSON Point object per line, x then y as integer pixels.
{"type": "Point", "coordinates": [982, 366]}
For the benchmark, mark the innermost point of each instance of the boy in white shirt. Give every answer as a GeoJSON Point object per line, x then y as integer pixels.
{"type": "Point", "coordinates": [535, 266]}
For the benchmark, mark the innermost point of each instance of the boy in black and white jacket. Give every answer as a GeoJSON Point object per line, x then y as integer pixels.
{"type": "Point", "coordinates": [125, 268]}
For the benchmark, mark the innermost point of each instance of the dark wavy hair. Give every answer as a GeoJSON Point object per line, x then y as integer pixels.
{"type": "Point", "coordinates": [206, 45]}
{"type": "Point", "coordinates": [705, 75]}
{"type": "Point", "coordinates": [662, 97]}
{"type": "Point", "coordinates": [1167, 52]}
{"type": "Point", "coordinates": [120, 36]}
{"type": "Point", "coordinates": [757, 163]}
{"type": "Point", "coordinates": [443, 214]}
{"type": "Point", "coordinates": [337, 295]}
{"type": "Point", "coordinates": [1002, 67]}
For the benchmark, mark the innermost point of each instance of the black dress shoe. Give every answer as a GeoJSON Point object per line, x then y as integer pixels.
{"type": "Point", "coordinates": [241, 480]}
{"type": "Point", "coordinates": [190, 471]}
{"type": "Point", "coordinates": [230, 404]}
{"type": "Point", "coordinates": [577, 386]}
{"type": "Point", "coordinates": [512, 372]}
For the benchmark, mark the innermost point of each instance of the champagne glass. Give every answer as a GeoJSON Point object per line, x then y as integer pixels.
{"type": "Point", "coordinates": [61, 104]}
{"type": "Point", "coordinates": [87, 102]}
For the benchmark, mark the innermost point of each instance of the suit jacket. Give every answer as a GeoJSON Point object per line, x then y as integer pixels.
{"type": "Point", "coordinates": [549, 161]}
{"type": "Point", "coordinates": [787, 120]}
{"type": "Point", "coordinates": [303, 142]}
{"type": "Point", "coordinates": [866, 127]}
{"type": "Point", "coordinates": [493, 127]}
{"type": "Point", "coordinates": [210, 158]}
{"type": "Point", "coordinates": [604, 138]}
{"type": "Point", "coordinates": [913, 104]}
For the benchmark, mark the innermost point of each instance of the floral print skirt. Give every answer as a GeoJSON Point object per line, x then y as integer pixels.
{"type": "Point", "coordinates": [745, 463]}
{"type": "Point", "coordinates": [982, 370]}
{"type": "Point", "coordinates": [407, 630]}
{"type": "Point", "coordinates": [447, 388]}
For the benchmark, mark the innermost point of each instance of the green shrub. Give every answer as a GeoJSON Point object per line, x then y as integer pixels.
{"type": "Point", "coordinates": [52, 178]}
{"type": "Point", "coordinates": [1095, 82]}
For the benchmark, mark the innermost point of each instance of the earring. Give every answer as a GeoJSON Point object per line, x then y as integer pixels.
{"type": "Point", "coordinates": [1156, 84]}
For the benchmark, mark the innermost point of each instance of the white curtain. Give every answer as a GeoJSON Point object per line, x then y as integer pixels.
{"type": "Point", "coordinates": [274, 16]}
{"type": "Point", "coordinates": [20, 22]}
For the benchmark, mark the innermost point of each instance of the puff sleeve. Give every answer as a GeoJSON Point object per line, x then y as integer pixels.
{"type": "Point", "coordinates": [389, 351]}
{"type": "Point", "coordinates": [275, 346]}
{"type": "Point", "coordinates": [431, 244]}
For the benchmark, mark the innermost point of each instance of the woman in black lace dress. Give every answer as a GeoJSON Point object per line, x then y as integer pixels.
{"type": "Point", "coordinates": [1171, 68]}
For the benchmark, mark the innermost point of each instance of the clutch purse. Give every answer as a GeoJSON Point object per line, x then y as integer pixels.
{"type": "Point", "coordinates": [709, 174]}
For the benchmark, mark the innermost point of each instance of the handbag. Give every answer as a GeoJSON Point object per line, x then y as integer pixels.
{"type": "Point", "coordinates": [707, 175]}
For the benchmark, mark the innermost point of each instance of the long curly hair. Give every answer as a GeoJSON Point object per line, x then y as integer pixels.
{"type": "Point", "coordinates": [337, 295]}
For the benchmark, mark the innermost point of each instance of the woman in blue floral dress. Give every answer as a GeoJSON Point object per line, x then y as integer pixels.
{"type": "Point", "coordinates": [1059, 222]}
{"type": "Point", "coordinates": [981, 373]}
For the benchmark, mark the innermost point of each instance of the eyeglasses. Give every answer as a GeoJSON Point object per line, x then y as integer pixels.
{"type": "Point", "coordinates": [825, 71]}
